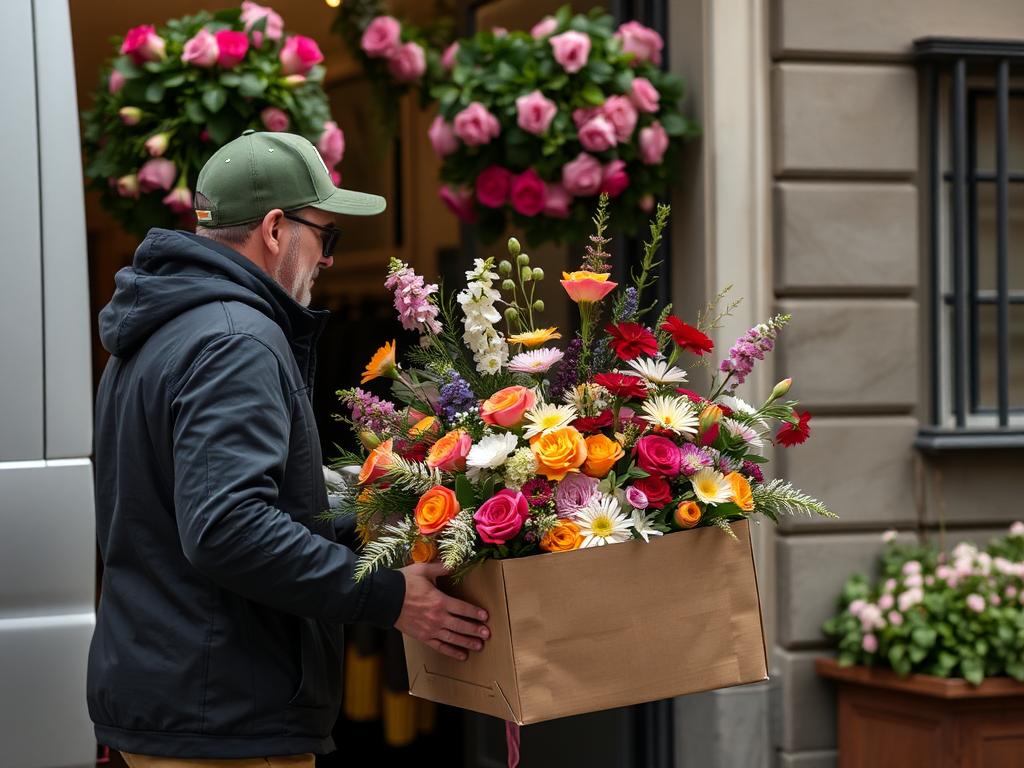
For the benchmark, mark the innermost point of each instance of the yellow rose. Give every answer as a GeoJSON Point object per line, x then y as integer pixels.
{"type": "Point", "coordinates": [559, 452]}
{"type": "Point", "coordinates": [563, 537]}
{"type": "Point", "coordinates": [742, 495]}
{"type": "Point", "coordinates": [423, 551]}
{"type": "Point", "coordinates": [602, 453]}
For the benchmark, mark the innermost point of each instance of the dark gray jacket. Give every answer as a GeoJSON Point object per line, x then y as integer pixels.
{"type": "Point", "coordinates": [219, 631]}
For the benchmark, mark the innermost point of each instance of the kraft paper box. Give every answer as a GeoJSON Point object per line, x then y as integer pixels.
{"type": "Point", "coordinates": [613, 626]}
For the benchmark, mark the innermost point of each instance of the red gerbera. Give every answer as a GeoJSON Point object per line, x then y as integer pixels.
{"type": "Point", "coordinates": [692, 396]}
{"type": "Point", "coordinates": [794, 434]}
{"type": "Point", "coordinates": [631, 340]}
{"type": "Point", "coordinates": [589, 424]}
{"type": "Point", "coordinates": [686, 336]}
{"type": "Point", "coordinates": [623, 385]}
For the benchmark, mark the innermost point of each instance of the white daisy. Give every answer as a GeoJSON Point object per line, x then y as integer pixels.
{"type": "Point", "coordinates": [738, 405]}
{"type": "Point", "coordinates": [546, 417]}
{"type": "Point", "coordinates": [671, 412]}
{"type": "Point", "coordinates": [535, 360]}
{"type": "Point", "coordinates": [602, 522]}
{"type": "Point", "coordinates": [490, 452]}
{"type": "Point", "coordinates": [657, 371]}
{"type": "Point", "coordinates": [748, 433]}
{"type": "Point", "coordinates": [641, 523]}
{"type": "Point", "coordinates": [711, 487]}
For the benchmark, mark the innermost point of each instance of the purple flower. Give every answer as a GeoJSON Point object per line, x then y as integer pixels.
{"type": "Point", "coordinates": [568, 373]}
{"type": "Point", "coordinates": [636, 497]}
{"type": "Point", "coordinates": [455, 396]}
{"type": "Point", "coordinates": [630, 305]}
{"type": "Point", "coordinates": [751, 346]}
{"type": "Point", "coordinates": [693, 459]}
{"type": "Point", "coordinates": [412, 299]}
{"type": "Point", "coordinates": [368, 410]}
{"type": "Point", "coordinates": [537, 491]}
{"type": "Point", "coordinates": [573, 493]}
{"type": "Point", "coordinates": [753, 471]}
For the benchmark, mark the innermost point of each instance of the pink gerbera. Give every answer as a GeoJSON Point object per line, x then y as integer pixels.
{"type": "Point", "coordinates": [535, 360]}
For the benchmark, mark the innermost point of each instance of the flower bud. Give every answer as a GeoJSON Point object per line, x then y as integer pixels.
{"type": "Point", "coordinates": [538, 274]}
{"type": "Point", "coordinates": [130, 115]}
{"type": "Point", "coordinates": [504, 267]}
{"type": "Point", "coordinates": [710, 416]}
{"type": "Point", "coordinates": [368, 439]}
{"type": "Point", "coordinates": [507, 285]}
{"type": "Point", "coordinates": [513, 247]}
{"type": "Point", "coordinates": [156, 144]}
{"type": "Point", "coordinates": [527, 274]}
{"type": "Point", "coordinates": [293, 81]}
{"type": "Point", "coordinates": [538, 306]}
{"type": "Point", "coordinates": [522, 259]}
{"type": "Point", "coordinates": [780, 390]}
{"type": "Point", "coordinates": [511, 315]}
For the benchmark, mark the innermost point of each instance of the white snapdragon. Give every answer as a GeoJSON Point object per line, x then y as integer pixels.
{"type": "Point", "coordinates": [477, 299]}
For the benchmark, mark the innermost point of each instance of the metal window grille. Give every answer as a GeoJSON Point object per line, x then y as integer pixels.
{"type": "Point", "coordinates": [960, 77]}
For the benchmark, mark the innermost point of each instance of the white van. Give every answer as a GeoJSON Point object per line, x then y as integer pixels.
{"type": "Point", "coordinates": [47, 535]}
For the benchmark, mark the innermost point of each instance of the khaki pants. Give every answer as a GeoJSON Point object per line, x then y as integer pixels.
{"type": "Point", "coordinates": [289, 761]}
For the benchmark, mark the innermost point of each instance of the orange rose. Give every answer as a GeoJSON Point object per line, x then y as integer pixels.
{"type": "Point", "coordinates": [426, 424]}
{"type": "Point", "coordinates": [602, 453]}
{"type": "Point", "coordinates": [562, 538]}
{"type": "Point", "coordinates": [376, 464]}
{"type": "Point", "coordinates": [742, 495]}
{"type": "Point", "coordinates": [559, 452]}
{"type": "Point", "coordinates": [435, 508]}
{"type": "Point", "coordinates": [423, 551]}
{"type": "Point", "coordinates": [508, 406]}
{"type": "Point", "coordinates": [687, 514]}
{"type": "Point", "coordinates": [449, 453]}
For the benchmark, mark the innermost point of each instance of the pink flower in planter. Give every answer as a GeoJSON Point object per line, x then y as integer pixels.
{"type": "Point", "coordinates": [299, 55]}
{"type": "Point", "coordinates": [529, 193]}
{"type": "Point", "coordinates": [331, 144]}
{"type": "Point", "coordinates": [448, 57]}
{"type": "Point", "coordinates": [544, 27]}
{"type": "Point", "coordinates": [557, 201]}
{"type": "Point", "coordinates": [459, 202]}
{"type": "Point", "coordinates": [201, 50]}
{"type": "Point", "coordinates": [622, 114]}
{"type": "Point", "coordinates": [128, 186]}
{"type": "Point", "coordinates": [869, 643]}
{"type": "Point", "coordinates": [493, 185]}
{"type": "Point", "coordinates": [143, 44]}
{"type": "Point", "coordinates": [232, 47]}
{"type": "Point", "coordinates": [571, 49]}
{"type": "Point", "coordinates": [252, 13]}
{"type": "Point", "coordinates": [535, 112]}
{"type": "Point", "coordinates": [442, 137]}
{"type": "Point", "coordinates": [475, 125]}
{"type": "Point", "coordinates": [653, 143]}
{"type": "Point", "coordinates": [643, 42]}
{"type": "Point", "coordinates": [582, 176]}
{"type": "Point", "coordinates": [581, 115]}
{"type": "Point", "coordinates": [895, 618]}
{"type": "Point", "coordinates": [179, 200]}
{"type": "Point", "coordinates": [644, 96]}
{"type": "Point", "coordinates": [614, 180]}
{"type": "Point", "coordinates": [158, 173]}
{"type": "Point", "coordinates": [976, 602]}
{"type": "Point", "coordinates": [408, 63]}
{"type": "Point", "coordinates": [597, 134]}
{"type": "Point", "coordinates": [381, 37]}
{"type": "Point", "coordinates": [115, 82]}
{"type": "Point", "coordinates": [275, 119]}
{"type": "Point", "coordinates": [156, 144]}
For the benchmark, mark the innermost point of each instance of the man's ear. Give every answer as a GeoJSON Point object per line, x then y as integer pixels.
{"type": "Point", "coordinates": [270, 231]}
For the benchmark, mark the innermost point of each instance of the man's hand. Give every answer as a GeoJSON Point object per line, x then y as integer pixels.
{"type": "Point", "coordinates": [447, 625]}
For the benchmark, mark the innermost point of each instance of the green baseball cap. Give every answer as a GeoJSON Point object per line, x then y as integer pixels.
{"type": "Point", "coordinates": [259, 171]}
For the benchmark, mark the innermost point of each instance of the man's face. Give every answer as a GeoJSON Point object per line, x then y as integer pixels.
{"type": "Point", "coordinates": [303, 255]}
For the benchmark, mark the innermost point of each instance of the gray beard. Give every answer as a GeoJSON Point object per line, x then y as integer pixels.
{"type": "Point", "coordinates": [296, 281]}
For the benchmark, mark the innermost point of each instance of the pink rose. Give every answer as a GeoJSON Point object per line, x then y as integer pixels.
{"type": "Point", "coordinates": [573, 493]}
{"type": "Point", "coordinates": [336, 177]}
{"type": "Point", "coordinates": [130, 115]}
{"type": "Point", "coordinates": [156, 144]}
{"type": "Point", "coordinates": [622, 115]}
{"type": "Point", "coordinates": [492, 186]}
{"type": "Point", "coordinates": [544, 27]}
{"type": "Point", "coordinates": [143, 44]}
{"type": "Point", "coordinates": [232, 47]}
{"type": "Point", "coordinates": [331, 144]}
{"type": "Point", "coordinates": [499, 31]}
{"type": "Point", "coordinates": [201, 50]}
{"type": "Point", "coordinates": [582, 176]}
{"type": "Point", "coordinates": [449, 453]}
{"type": "Point", "coordinates": [536, 112]}
{"type": "Point", "coordinates": [571, 49]}
{"type": "Point", "coordinates": [381, 37]}
{"type": "Point", "coordinates": [656, 489]}
{"type": "Point", "coordinates": [643, 42]}
{"type": "Point", "coordinates": [597, 134]}
{"type": "Point", "coordinates": [976, 602]}
{"type": "Point", "coordinates": [507, 407]}
{"type": "Point", "coordinates": [653, 143]}
{"type": "Point", "coordinates": [299, 55]}
{"type": "Point", "coordinates": [475, 125]}
{"type": "Point", "coordinates": [252, 13]}
{"type": "Point", "coordinates": [448, 57]}
{"type": "Point", "coordinates": [115, 82]}
{"type": "Point", "coordinates": [557, 202]}
{"type": "Point", "coordinates": [614, 179]}
{"type": "Point", "coordinates": [128, 186]}
{"type": "Point", "coordinates": [581, 115]}
{"type": "Point", "coordinates": [408, 63]}
{"type": "Point", "coordinates": [275, 119]}
{"type": "Point", "coordinates": [657, 455]}
{"type": "Point", "coordinates": [179, 200]}
{"type": "Point", "coordinates": [158, 173]}
{"type": "Point", "coordinates": [459, 202]}
{"type": "Point", "coordinates": [529, 194]}
{"type": "Point", "coordinates": [442, 137]}
{"type": "Point", "coordinates": [644, 96]}
{"type": "Point", "coordinates": [501, 517]}
{"type": "Point", "coordinates": [636, 497]}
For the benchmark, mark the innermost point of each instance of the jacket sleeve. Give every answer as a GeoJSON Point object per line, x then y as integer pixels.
{"type": "Point", "coordinates": [231, 426]}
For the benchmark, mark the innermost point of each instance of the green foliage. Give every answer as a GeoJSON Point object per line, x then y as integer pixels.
{"type": "Point", "coordinates": [777, 497]}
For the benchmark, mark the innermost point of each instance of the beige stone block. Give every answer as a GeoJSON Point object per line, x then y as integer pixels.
{"type": "Point", "coordinates": [822, 758]}
{"type": "Point", "coordinates": [974, 488]}
{"type": "Point", "coordinates": [851, 354]}
{"type": "Point", "coordinates": [845, 119]}
{"type": "Point", "coordinates": [883, 28]}
{"type": "Point", "coordinates": [853, 236]}
{"type": "Point", "coordinates": [862, 467]}
{"type": "Point", "coordinates": [806, 713]}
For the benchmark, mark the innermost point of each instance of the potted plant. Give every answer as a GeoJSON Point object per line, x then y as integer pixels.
{"type": "Point", "coordinates": [930, 664]}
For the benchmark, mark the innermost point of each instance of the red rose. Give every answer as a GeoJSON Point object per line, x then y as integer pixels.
{"type": "Point", "coordinates": [529, 193]}
{"type": "Point", "coordinates": [794, 434]}
{"type": "Point", "coordinates": [686, 336]}
{"type": "Point", "coordinates": [691, 395]}
{"type": "Point", "coordinates": [631, 340]}
{"type": "Point", "coordinates": [492, 186]}
{"type": "Point", "coordinates": [656, 489]}
{"type": "Point", "coordinates": [595, 423]}
{"type": "Point", "coordinates": [623, 385]}
{"type": "Point", "coordinates": [657, 455]}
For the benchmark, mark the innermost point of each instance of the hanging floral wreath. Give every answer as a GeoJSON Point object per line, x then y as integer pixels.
{"type": "Point", "coordinates": [172, 96]}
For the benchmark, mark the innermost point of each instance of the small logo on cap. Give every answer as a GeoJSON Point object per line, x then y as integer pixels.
{"type": "Point", "coordinates": [204, 215]}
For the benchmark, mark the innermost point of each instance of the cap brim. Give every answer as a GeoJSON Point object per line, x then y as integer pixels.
{"type": "Point", "coordinates": [352, 203]}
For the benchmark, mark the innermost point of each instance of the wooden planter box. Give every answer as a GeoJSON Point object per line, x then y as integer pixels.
{"type": "Point", "coordinates": [921, 720]}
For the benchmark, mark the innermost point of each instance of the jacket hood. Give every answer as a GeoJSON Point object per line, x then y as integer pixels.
{"type": "Point", "coordinates": [175, 271]}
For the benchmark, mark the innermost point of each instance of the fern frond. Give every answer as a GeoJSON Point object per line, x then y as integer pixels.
{"type": "Point", "coordinates": [413, 476]}
{"type": "Point", "coordinates": [457, 542]}
{"type": "Point", "coordinates": [777, 497]}
{"type": "Point", "coordinates": [388, 551]}
{"type": "Point", "coordinates": [722, 523]}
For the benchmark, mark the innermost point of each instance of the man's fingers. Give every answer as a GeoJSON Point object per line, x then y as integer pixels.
{"type": "Point", "coordinates": [467, 628]}
{"type": "Point", "coordinates": [460, 640]}
{"type": "Point", "coordinates": [434, 571]}
{"type": "Point", "coordinates": [460, 608]}
{"type": "Point", "coordinates": [447, 650]}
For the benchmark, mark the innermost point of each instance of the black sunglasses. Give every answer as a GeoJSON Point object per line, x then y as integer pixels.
{"type": "Point", "coordinates": [328, 235]}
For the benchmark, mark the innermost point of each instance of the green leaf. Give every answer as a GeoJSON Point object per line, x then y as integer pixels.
{"type": "Point", "coordinates": [464, 492]}
{"type": "Point", "coordinates": [221, 127]}
{"type": "Point", "coordinates": [173, 81]}
{"type": "Point", "coordinates": [593, 95]}
{"type": "Point", "coordinates": [755, 459]}
{"type": "Point", "coordinates": [674, 125]}
{"type": "Point", "coordinates": [155, 92]}
{"type": "Point", "coordinates": [214, 98]}
{"type": "Point", "coordinates": [924, 637]}
{"type": "Point", "coordinates": [624, 81]}
{"type": "Point", "coordinates": [231, 79]}
{"type": "Point", "coordinates": [252, 85]}
{"type": "Point", "coordinates": [195, 112]}
{"type": "Point", "coordinates": [600, 71]}
{"type": "Point", "coordinates": [973, 669]}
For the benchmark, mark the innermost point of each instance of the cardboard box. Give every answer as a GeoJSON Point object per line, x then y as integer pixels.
{"type": "Point", "coordinates": [581, 631]}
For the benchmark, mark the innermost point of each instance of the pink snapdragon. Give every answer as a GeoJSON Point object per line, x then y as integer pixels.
{"type": "Point", "coordinates": [415, 310]}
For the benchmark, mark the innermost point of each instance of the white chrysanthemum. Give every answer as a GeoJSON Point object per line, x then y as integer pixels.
{"type": "Point", "coordinates": [641, 523]}
{"type": "Point", "coordinates": [602, 522]}
{"type": "Point", "coordinates": [657, 371]}
{"type": "Point", "coordinates": [546, 417]}
{"type": "Point", "coordinates": [490, 452]}
{"type": "Point", "coordinates": [711, 487]}
{"type": "Point", "coordinates": [672, 413]}
{"type": "Point", "coordinates": [535, 360]}
{"type": "Point", "coordinates": [734, 403]}
{"type": "Point", "coordinates": [748, 433]}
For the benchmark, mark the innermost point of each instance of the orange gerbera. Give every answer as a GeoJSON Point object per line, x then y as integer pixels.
{"type": "Point", "coordinates": [381, 364]}
{"type": "Point", "coordinates": [531, 339]}
{"type": "Point", "coordinates": [742, 495]}
{"type": "Point", "coordinates": [376, 464]}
